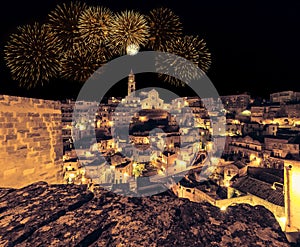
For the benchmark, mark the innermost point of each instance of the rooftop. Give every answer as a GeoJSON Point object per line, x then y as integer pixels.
{"type": "Point", "coordinates": [263, 190]}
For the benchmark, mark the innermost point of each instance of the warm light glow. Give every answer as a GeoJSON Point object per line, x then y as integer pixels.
{"type": "Point", "coordinates": [292, 195]}
{"type": "Point", "coordinates": [88, 154]}
{"type": "Point", "coordinates": [223, 208]}
{"type": "Point", "coordinates": [132, 49]}
{"type": "Point", "coordinates": [209, 146]}
{"type": "Point", "coordinates": [252, 157]}
{"type": "Point", "coordinates": [81, 127]}
{"type": "Point", "coordinates": [181, 163]}
{"type": "Point", "coordinates": [214, 160]}
{"type": "Point", "coordinates": [226, 183]}
{"type": "Point", "coordinates": [282, 222]}
{"type": "Point", "coordinates": [160, 172]}
{"type": "Point", "coordinates": [143, 118]}
{"type": "Point", "coordinates": [246, 113]}
{"type": "Point", "coordinates": [146, 141]}
{"type": "Point", "coordinates": [255, 159]}
{"type": "Point", "coordinates": [258, 160]}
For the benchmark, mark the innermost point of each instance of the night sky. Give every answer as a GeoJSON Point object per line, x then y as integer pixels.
{"type": "Point", "coordinates": [254, 46]}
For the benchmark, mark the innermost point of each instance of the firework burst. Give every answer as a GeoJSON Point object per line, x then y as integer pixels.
{"type": "Point", "coordinates": [93, 25]}
{"type": "Point", "coordinates": [164, 26]}
{"type": "Point", "coordinates": [30, 55]}
{"type": "Point", "coordinates": [81, 63]}
{"type": "Point", "coordinates": [132, 49]}
{"type": "Point", "coordinates": [128, 28]}
{"type": "Point", "coordinates": [191, 48]}
{"type": "Point", "coordinates": [63, 21]}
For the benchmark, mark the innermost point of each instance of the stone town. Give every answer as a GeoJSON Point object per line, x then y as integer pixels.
{"type": "Point", "coordinates": [145, 145]}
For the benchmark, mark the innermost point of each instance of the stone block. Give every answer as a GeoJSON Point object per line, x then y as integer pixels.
{"type": "Point", "coordinates": [36, 101]}
{"type": "Point", "coordinates": [11, 137]}
{"type": "Point", "coordinates": [30, 135]}
{"type": "Point", "coordinates": [7, 114]}
{"type": "Point", "coordinates": [8, 125]}
{"type": "Point", "coordinates": [33, 114]}
{"type": "Point", "coordinates": [21, 114]}
{"type": "Point", "coordinates": [10, 149]}
{"type": "Point", "coordinates": [9, 172]}
{"type": "Point", "coordinates": [22, 131]}
{"type": "Point", "coordinates": [28, 171]}
{"type": "Point", "coordinates": [13, 98]}
{"type": "Point", "coordinates": [20, 147]}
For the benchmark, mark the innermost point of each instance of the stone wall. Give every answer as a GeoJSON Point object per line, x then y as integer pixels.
{"type": "Point", "coordinates": [30, 141]}
{"type": "Point", "coordinates": [196, 195]}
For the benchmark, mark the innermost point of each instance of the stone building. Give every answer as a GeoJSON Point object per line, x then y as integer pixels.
{"type": "Point", "coordinates": [292, 110]}
{"type": "Point", "coordinates": [236, 103]}
{"type": "Point", "coordinates": [246, 147]}
{"type": "Point", "coordinates": [292, 199]}
{"type": "Point", "coordinates": [152, 101]}
{"type": "Point", "coordinates": [284, 96]}
{"type": "Point", "coordinates": [233, 129]}
{"type": "Point", "coordinates": [281, 146]}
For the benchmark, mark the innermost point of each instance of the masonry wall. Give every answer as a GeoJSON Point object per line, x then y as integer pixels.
{"type": "Point", "coordinates": [197, 195]}
{"type": "Point", "coordinates": [30, 141]}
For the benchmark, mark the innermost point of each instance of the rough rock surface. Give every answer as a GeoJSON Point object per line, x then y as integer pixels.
{"type": "Point", "coordinates": [68, 215]}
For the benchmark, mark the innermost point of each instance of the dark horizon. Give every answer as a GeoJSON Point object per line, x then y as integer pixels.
{"type": "Point", "coordinates": [254, 47]}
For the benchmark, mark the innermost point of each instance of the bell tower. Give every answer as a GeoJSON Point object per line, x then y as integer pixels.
{"type": "Point", "coordinates": [131, 83]}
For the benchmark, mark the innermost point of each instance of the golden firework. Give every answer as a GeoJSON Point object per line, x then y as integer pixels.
{"type": "Point", "coordinates": [93, 25]}
{"type": "Point", "coordinates": [81, 63]}
{"type": "Point", "coordinates": [31, 55]}
{"type": "Point", "coordinates": [63, 21]}
{"type": "Point", "coordinates": [190, 48]}
{"type": "Point", "coordinates": [128, 28]}
{"type": "Point", "coordinates": [164, 26]}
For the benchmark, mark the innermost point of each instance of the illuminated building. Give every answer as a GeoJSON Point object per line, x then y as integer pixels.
{"type": "Point", "coordinates": [236, 103]}
{"type": "Point", "coordinates": [284, 96]}
{"type": "Point", "coordinates": [292, 199]}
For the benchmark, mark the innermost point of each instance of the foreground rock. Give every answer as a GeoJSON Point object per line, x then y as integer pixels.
{"type": "Point", "coordinates": [64, 215]}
